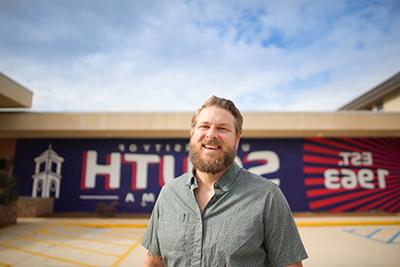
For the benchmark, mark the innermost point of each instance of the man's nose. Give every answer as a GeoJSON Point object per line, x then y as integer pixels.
{"type": "Point", "coordinates": [211, 133]}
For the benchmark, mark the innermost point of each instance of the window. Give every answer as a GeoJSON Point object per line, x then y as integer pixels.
{"type": "Point", "coordinates": [2, 164]}
{"type": "Point", "coordinates": [42, 167]}
{"type": "Point", "coordinates": [379, 106]}
{"type": "Point", "coordinates": [53, 167]}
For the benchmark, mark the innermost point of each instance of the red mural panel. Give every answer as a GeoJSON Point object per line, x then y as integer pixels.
{"type": "Point", "coordinates": [350, 174]}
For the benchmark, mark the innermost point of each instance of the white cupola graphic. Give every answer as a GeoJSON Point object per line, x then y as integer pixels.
{"type": "Point", "coordinates": [47, 177]}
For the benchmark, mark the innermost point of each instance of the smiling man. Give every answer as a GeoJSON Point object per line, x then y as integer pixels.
{"type": "Point", "coordinates": [219, 214]}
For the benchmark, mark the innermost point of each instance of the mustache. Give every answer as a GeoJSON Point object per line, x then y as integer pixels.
{"type": "Point", "coordinates": [212, 143]}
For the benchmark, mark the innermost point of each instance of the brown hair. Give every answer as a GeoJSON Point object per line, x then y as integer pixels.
{"type": "Point", "coordinates": [224, 104]}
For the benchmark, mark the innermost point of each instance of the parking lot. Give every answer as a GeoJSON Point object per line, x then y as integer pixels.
{"type": "Point", "coordinates": [330, 241]}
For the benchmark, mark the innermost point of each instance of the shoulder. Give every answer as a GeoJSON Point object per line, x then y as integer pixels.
{"type": "Point", "coordinates": [256, 182]}
{"type": "Point", "coordinates": [175, 184]}
{"type": "Point", "coordinates": [173, 195]}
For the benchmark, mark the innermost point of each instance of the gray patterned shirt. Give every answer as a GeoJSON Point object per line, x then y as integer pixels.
{"type": "Point", "coordinates": [246, 223]}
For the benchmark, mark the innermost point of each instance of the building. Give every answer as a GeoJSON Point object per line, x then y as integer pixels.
{"type": "Point", "coordinates": [383, 97]}
{"type": "Point", "coordinates": [12, 95]}
{"type": "Point", "coordinates": [323, 161]}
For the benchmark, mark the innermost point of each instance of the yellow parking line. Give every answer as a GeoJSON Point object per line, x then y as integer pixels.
{"type": "Point", "coordinates": [59, 244]}
{"type": "Point", "coordinates": [346, 223]}
{"type": "Point", "coordinates": [83, 229]}
{"type": "Point", "coordinates": [2, 264]}
{"type": "Point", "coordinates": [122, 227]}
{"type": "Point", "coordinates": [122, 235]}
{"type": "Point", "coordinates": [122, 257]}
{"type": "Point", "coordinates": [110, 225]}
{"type": "Point", "coordinates": [45, 255]}
{"type": "Point", "coordinates": [84, 239]}
{"type": "Point", "coordinates": [131, 235]}
{"type": "Point", "coordinates": [77, 229]}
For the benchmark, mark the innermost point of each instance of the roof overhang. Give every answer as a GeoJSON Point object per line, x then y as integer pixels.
{"type": "Point", "coordinates": [177, 124]}
{"type": "Point", "coordinates": [13, 95]}
{"type": "Point", "coordinates": [376, 94]}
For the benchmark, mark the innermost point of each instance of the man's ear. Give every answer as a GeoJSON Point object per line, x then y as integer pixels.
{"type": "Point", "coordinates": [238, 136]}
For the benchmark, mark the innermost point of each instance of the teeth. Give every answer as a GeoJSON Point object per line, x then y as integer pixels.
{"type": "Point", "coordinates": [211, 147]}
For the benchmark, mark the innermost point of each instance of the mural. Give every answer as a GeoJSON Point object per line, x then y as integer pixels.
{"type": "Point", "coordinates": [47, 176]}
{"type": "Point", "coordinates": [317, 174]}
{"type": "Point", "coordinates": [352, 174]}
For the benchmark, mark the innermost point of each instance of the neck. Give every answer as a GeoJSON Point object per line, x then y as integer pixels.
{"type": "Point", "coordinates": [208, 180]}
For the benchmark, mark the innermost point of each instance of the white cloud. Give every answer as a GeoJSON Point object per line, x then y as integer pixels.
{"type": "Point", "coordinates": [160, 56]}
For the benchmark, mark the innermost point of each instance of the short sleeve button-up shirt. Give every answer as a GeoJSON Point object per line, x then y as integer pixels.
{"type": "Point", "coordinates": [246, 223]}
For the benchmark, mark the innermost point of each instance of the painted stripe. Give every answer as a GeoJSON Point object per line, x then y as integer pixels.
{"type": "Point", "coordinates": [369, 236]}
{"type": "Point", "coordinates": [59, 244]}
{"type": "Point", "coordinates": [84, 239]}
{"type": "Point", "coordinates": [110, 225]}
{"type": "Point", "coordinates": [129, 251]}
{"type": "Point", "coordinates": [122, 235]}
{"type": "Point", "coordinates": [393, 238]}
{"type": "Point", "coordinates": [374, 233]}
{"type": "Point", "coordinates": [99, 197]}
{"type": "Point", "coordinates": [45, 255]}
{"type": "Point", "coordinates": [2, 264]}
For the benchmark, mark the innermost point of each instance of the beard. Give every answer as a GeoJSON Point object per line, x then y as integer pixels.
{"type": "Point", "coordinates": [214, 164]}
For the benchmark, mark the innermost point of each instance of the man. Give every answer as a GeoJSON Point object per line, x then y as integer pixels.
{"type": "Point", "coordinates": [219, 214]}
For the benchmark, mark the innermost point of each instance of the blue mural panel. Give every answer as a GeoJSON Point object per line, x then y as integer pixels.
{"type": "Point", "coordinates": [314, 174]}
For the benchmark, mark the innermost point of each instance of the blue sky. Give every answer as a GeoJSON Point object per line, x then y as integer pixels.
{"type": "Point", "coordinates": [306, 55]}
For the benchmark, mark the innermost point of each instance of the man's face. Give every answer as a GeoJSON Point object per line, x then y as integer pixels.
{"type": "Point", "coordinates": [213, 140]}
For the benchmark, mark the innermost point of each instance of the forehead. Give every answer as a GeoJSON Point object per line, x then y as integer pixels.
{"type": "Point", "coordinates": [216, 115]}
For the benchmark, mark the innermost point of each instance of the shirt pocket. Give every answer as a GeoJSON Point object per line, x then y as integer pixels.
{"type": "Point", "coordinates": [243, 233]}
{"type": "Point", "coordinates": [172, 232]}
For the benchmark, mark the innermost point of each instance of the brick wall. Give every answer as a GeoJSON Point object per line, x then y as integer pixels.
{"type": "Point", "coordinates": [8, 214]}
{"type": "Point", "coordinates": [34, 207]}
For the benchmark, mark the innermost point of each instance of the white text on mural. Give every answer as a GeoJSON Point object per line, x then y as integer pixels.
{"type": "Point", "coordinates": [359, 172]}
{"type": "Point", "coordinates": [265, 162]}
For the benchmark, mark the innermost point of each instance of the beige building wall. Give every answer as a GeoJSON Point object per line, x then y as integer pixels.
{"type": "Point", "coordinates": [13, 95]}
{"type": "Point", "coordinates": [177, 125]}
{"type": "Point", "coordinates": [392, 103]}
{"type": "Point", "coordinates": [383, 97]}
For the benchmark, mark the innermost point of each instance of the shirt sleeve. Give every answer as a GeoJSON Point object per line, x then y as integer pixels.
{"type": "Point", "coordinates": [150, 239]}
{"type": "Point", "coordinates": [281, 237]}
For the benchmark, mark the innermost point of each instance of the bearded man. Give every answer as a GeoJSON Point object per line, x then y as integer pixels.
{"type": "Point", "coordinates": [219, 214]}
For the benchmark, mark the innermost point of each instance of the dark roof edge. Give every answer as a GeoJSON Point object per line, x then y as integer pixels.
{"type": "Point", "coordinates": [15, 83]}
{"type": "Point", "coordinates": [379, 91]}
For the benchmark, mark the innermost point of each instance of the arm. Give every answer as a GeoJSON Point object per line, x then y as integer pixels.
{"type": "Point", "coordinates": [297, 264]}
{"type": "Point", "coordinates": [152, 260]}
{"type": "Point", "coordinates": [150, 240]}
{"type": "Point", "coordinates": [282, 239]}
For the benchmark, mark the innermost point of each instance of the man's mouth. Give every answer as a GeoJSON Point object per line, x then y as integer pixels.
{"type": "Point", "coordinates": [211, 147]}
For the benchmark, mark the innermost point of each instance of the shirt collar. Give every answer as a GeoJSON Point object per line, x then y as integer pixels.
{"type": "Point", "coordinates": [224, 182]}
{"type": "Point", "coordinates": [191, 181]}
